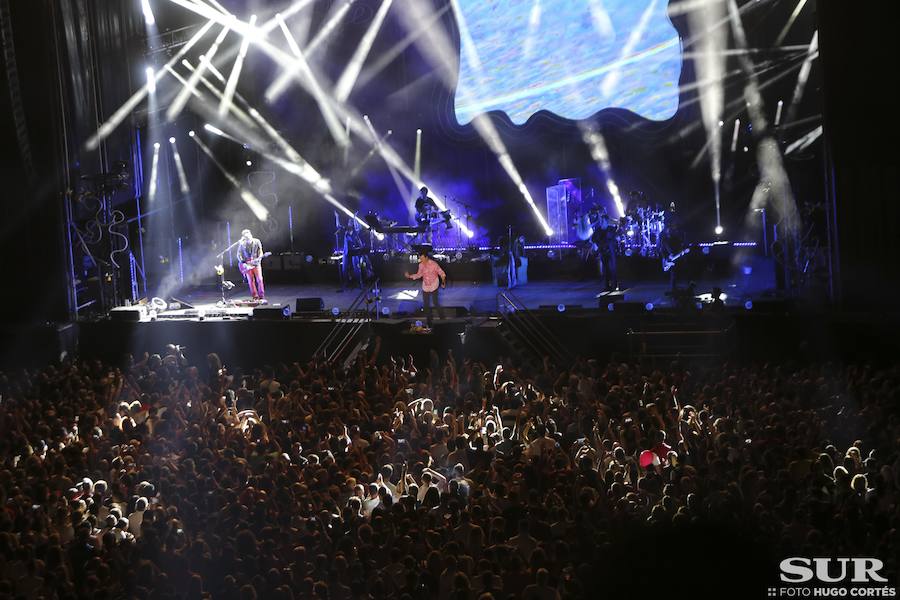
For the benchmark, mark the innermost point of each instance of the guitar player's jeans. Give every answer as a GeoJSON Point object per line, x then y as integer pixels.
{"type": "Point", "coordinates": [255, 279]}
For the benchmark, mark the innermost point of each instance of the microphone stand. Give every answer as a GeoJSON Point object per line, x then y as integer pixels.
{"type": "Point", "coordinates": [220, 270]}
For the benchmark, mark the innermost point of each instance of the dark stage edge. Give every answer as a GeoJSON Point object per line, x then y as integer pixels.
{"type": "Point", "coordinates": [772, 329]}
{"type": "Point", "coordinates": [770, 334]}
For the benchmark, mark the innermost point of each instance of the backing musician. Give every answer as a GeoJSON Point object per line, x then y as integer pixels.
{"type": "Point", "coordinates": [250, 255]}
{"type": "Point", "coordinates": [672, 246]}
{"type": "Point", "coordinates": [425, 205]}
{"type": "Point", "coordinates": [606, 241]}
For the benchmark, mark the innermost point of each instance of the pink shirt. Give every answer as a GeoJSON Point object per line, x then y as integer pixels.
{"type": "Point", "coordinates": [430, 273]}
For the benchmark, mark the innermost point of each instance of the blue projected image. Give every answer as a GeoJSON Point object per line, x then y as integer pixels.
{"type": "Point", "coordinates": [570, 57]}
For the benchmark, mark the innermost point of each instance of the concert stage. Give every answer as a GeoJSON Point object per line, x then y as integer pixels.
{"type": "Point", "coordinates": [477, 320]}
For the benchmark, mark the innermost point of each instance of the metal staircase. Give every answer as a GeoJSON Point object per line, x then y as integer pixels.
{"type": "Point", "coordinates": [526, 335]}
{"type": "Point", "coordinates": [350, 334]}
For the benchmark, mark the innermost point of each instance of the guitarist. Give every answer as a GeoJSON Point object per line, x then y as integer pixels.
{"type": "Point", "coordinates": [671, 244]}
{"type": "Point", "coordinates": [250, 254]}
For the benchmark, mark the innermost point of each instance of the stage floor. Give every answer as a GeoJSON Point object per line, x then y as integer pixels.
{"type": "Point", "coordinates": [481, 298]}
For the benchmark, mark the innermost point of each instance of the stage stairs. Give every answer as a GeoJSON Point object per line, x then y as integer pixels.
{"type": "Point", "coordinates": [350, 335]}
{"type": "Point", "coordinates": [527, 337]}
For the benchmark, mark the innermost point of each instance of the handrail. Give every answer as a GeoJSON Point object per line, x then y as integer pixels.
{"type": "Point", "coordinates": [345, 330]}
{"type": "Point", "coordinates": [530, 324]}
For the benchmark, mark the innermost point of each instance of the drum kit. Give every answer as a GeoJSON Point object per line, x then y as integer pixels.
{"type": "Point", "coordinates": [638, 233]}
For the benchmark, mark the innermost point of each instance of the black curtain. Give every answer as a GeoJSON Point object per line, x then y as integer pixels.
{"type": "Point", "coordinates": [856, 43]}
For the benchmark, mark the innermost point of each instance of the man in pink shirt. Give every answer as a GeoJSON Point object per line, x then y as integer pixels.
{"type": "Point", "coordinates": [432, 275]}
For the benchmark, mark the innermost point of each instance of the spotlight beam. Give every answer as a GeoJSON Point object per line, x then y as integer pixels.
{"type": "Point", "coordinates": [238, 112]}
{"type": "Point", "coordinates": [122, 113]}
{"type": "Point", "coordinates": [393, 159]}
{"type": "Point", "coordinates": [154, 174]}
{"type": "Point", "coordinates": [391, 55]}
{"type": "Point", "coordinates": [735, 107]}
{"type": "Point", "coordinates": [252, 202]}
{"type": "Point", "coordinates": [328, 28]}
{"type": "Point", "coordinates": [710, 65]}
{"type": "Point", "coordinates": [179, 167]}
{"type": "Point", "coordinates": [278, 87]}
{"type": "Point", "coordinates": [417, 165]}
{"type": "Point", "coordinates": [802, 78]}
{"type": "Point", "coordinates": [609, 83]}
{"type": "Point", "coordinates": [597, 145]}
{"type": "Point", "coordinates": [805, 142]}
{"type": "Point", "coordinates": [181, 99]}
{"type": "Point", "coordinates": [768, 154]}
{"type": "Point", "coordinates": [149, 19]}
{"type": "Point", "coordinates": [348, 78]}
{"type": "Point", "coordinates": [790, 22]}
{"type": "Point", "coordinates": [304, 73]}
{"type": "Point", "coordinates": [231, 86]}
{"type": "Point", "coordinates": [367, 157]}
{"type": "Point", "coordinates": [398, 181]}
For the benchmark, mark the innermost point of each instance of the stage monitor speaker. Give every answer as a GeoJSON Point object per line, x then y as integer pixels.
{"type": "Point", "coordinates": [629, 308]}
{"type": "Point", "coordinates": [454, 312]}
{"type": "Point", "coordinates": [128, 313]}
{"type": "Point", "coordinates": [183, 303]}
{"type": "Point", "coordinates": [272, 312]}
{"type": "Point", "coordinates": [605, 298]}
{"type": "Point", "coordinates": [555, 307]}
{"type": "Point", "coordinates": [408, 307]}
{"type": "Point", "coordinates": [309, 305]}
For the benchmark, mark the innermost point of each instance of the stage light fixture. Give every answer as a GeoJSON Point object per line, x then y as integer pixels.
{"type": "Point", "coordinates": [719, 230]}
{"type": "Point", "coordinates": [335, 311]}
{"type": "Point", "coordinates": [611, 306]}
{"type": "Point", "coordinates": [249, 163]}
{"type": "Point", "coordinates": [171, 140]}
{"type": "Point", "coordinates": [191, 133]}
{"type": "Point", "coordinates": [149, 19]}
{"type": "Point", "coordinates": [649, 307]}
{"type": "Point", "coordinates": [561, 308]}
{"type": "Point", "coordinates": [151, 80]}
{"type": "Point", "coordinates": [156, 146]}
{"type": "Point", "coordinates": [748, 305]}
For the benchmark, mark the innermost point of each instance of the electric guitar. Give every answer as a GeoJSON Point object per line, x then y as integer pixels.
{"type": "Point", "coordinates": [669, 261]}
{"type": "Point", "coordinates": [252, 263]}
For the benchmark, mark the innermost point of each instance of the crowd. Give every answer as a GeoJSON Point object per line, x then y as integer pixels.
{"type": "Point", "coordinates": [158, 478]}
